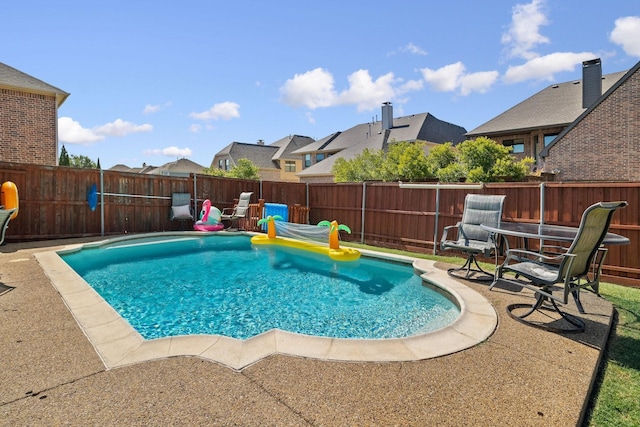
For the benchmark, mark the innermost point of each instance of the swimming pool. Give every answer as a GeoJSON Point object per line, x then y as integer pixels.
{"type": "Point", "coordinates": [118, 344]}
{"type": "Point", "coordinates": [222, 284]}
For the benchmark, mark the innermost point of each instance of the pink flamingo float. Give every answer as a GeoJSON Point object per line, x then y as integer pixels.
{"type": "Point", "coordinates": [209, 218]}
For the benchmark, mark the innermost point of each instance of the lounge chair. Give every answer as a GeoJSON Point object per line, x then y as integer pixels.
{"type": "Point", "coordinates": [571, 270]}
{"type": "Point", "coordinates": [181, 209]}
{"type": "Point", "coordinates": [238, 212]}
{"type": "Point", "coordinates": [471, 238]}
{"type": "Point", "coordinates": [5, 217]}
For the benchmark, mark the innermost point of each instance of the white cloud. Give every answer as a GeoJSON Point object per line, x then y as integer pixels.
{"type": "Point", "coordinates": [72, 132]}
{"type": "Point", "coordinates": [223, 111]}
{"type": "Point", "coordinates": [121, 128]}
{"type": "Point", "coordinates": [454, 77]}
{"type": "Point", "coordinates": [544, 67]}
{"type": "Point", "coordinates": [477, 82]}
{"type": "Point", "coordinates": [524, 32]}
{"type": "Point", "coordinates": [170, 152]}
{"type": "Point", "coordinates": [150, 109]}
{"type": "Point", "coordinates": [316, 89]}
{"type": "Point", "coordinates": [366, 93]}
{"type": "Point", "coordinates": [626, 33]}
{"type": "Point", "coordinates": [195, 128]}
{"type": "Point", "coordinates": [412, 48]}
{"type": "Point", "coordinates": [313, 89]}
{"type": "Point", "coordinates": [310, 118]}
{"type": "Point", "coordinates": [444, 79]}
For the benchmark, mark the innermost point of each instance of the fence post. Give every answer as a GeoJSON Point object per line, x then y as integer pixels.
{"type": "Point", "coordinates": [542, 203]}
{"type": "Point", "coordinates": [364, 197]}
{"type": "Point", "coordinates": [435, 223]}
{"type": "Point", "coordinates": [101, 202]}
{"type": "Point", "coordinates": [195, 197]}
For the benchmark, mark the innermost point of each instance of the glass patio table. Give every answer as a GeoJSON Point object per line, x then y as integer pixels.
{"type": "Point", "coordinates": [558, 233]}
{"type": "Point", "coordinates": [553, 233]}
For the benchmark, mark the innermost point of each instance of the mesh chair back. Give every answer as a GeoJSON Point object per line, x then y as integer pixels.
{"type": "Point", "coordinates": [594, 226]}
{"type": "Point", "coordinates": [243, 204]}
{"type": "Point", "coordinates": [481, 209]}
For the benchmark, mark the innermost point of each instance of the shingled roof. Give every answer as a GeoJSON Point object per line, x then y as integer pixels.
{"type": "Point", "coordinates": [350, 143]}
{"type": "Point", "coordinates": [557, 105]}
{"type": "Point", "coordinates": [264, 156]}
{"type": "Point", "coordinates": [10, 78]}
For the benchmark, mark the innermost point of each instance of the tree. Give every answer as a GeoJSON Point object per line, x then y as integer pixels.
{"type": "Point", "coordinates": [485, 160]}
{"type": "Point", "coordinates": [82, 162]}
{"type": "Point", "coordinates": [245, 169]}
{"type": "Point", "coordinates": [367, 166]}
{"type": "Point", "coordinates": [401, 161]}
{"type": "Point", "coordinates": [214, 171]}
{"type": "Point", "coordinates": [440, 157]}
{"type": "Point", "coordinates": [477, 160]}
{"type": "Point", "coordinates": [408, 162]}
{"type": "Point", "coordinates": [64, 157]}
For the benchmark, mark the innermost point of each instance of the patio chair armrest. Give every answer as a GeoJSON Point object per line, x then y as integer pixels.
{"type": "Point", "coordinates": [553, 249]}
{"type": "Point", "coordinates": [522, 254]}
{"type": "Point", "coordinates": [445, 232]}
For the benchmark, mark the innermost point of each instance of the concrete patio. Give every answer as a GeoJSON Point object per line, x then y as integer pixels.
{"type": "Point", "coordinates": [52, 375]}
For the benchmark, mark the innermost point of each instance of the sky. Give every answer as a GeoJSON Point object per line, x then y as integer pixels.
{"type": "Point", "coordinates": [154, 81]}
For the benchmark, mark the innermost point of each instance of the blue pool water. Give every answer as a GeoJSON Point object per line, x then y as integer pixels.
{"type": "Point", "coordinates": [223, 285]}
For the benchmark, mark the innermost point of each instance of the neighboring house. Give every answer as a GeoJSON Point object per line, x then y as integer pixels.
{"type": "Point", "coordinates": [275, 162]}
{"type": "Point", "coordinates": [28, 118]}
{"type": "Point", "coordinates": [532, 126]}
{"type": "Point", "coordinates": [603, 143]}
{"type": "Point", "coordinates": [181, 167]}
{"type": "Point", "coordinates": [320, 156]}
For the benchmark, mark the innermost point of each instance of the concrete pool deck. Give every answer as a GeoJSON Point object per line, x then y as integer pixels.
{"type": "Point", "coordinates": [51, 373]}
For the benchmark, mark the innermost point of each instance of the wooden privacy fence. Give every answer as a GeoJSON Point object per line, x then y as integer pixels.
{"type": "Point", "coordinates": [53, 204]}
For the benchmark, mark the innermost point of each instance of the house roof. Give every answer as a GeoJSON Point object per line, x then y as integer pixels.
{"type": "Point", "coordinates": [260, 155]}
{"type": "Point", "coordinates": [289, 144]}
{"type": "Point", "coordinates": [557, 105]}
{"type": "Point", "coordinates": [11, 78]}
{"type": "Point", "coordinates": [350, 143]}
{"type": "Point", "coordinates": [179, 167]}
{"type": "Point", "coordinates": [265, 156]}
{"type": "Point", "coordinates": [626, 76]}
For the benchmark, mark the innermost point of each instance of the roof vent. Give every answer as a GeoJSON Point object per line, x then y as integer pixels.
{"type": "Point", "coordinates": [591, 82]}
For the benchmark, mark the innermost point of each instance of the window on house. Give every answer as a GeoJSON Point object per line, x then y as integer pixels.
{"type": "Point", "coordinates": [319, 156]}
{"type": "Point", "coordinates": [289, 166]}
{"type": "Point", "coordinates": [307, 160]}
{"type": "Point", "coordinates": [548, 138]}
{"type": "Point", "coordinates": [220, 164]}
{"type": "Point", "coordinates": [517, 145]}
{"type": "Point", "coordinates": [226, 164]}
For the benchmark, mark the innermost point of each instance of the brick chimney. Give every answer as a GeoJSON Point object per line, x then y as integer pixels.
{"type": "Point", "coordinates": [591, 82]}
{"type": "Point", "coordinates": [387, 116]}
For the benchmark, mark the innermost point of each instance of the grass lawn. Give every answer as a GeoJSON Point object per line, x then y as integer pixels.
{"type": "Point", "coordinates": [617, 392]}
{"type": "Point", "coordinates": [616, 395]}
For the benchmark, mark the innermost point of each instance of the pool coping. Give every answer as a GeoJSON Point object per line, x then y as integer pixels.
{"type": "Point", "coordinates": [118, 344]}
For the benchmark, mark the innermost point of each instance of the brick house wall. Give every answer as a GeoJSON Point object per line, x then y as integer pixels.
{"type": "Point", "coordinates": [604, 145]}
{"type": "Point", "coordinates": [28, 128]}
